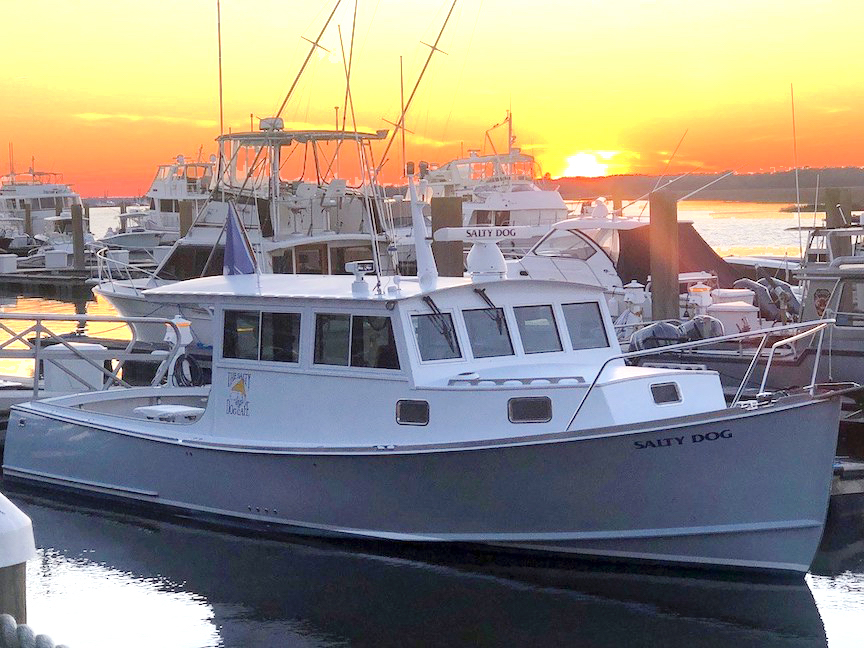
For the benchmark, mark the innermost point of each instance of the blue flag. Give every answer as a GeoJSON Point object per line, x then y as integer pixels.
{"type": "Point", "coordinates": [239, 257]}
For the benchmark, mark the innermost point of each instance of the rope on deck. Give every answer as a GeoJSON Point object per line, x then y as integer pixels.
{"type": "Point", "coordinates": [13, 635]}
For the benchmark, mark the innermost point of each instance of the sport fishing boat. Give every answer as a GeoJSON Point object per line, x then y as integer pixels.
{"type": "Point", "coordinates": [472, 411]}
{"type": "Point", "coordinates": [299, 219]}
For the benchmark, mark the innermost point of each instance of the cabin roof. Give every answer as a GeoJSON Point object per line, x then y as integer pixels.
{"type": "Point", "coordinates": [291, 285]}
{"type": "Point", "coordinates": [301, 286]}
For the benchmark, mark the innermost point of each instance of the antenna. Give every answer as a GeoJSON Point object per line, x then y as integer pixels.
{"type": "Point", "coordinates": [795, 158]}
{"type": "Point", "coordinates": [427, 271]}
{"type": "Point", "coordinates": [219, 38]}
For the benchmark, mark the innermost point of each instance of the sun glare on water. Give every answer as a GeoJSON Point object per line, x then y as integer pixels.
{"type": "Point", "coordinates": [585, 165]}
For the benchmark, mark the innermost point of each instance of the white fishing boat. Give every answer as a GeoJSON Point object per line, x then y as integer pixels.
{"type": "Point", "coordinates": [159, 224]}
{"type": "Point", "coordinates": [478, 411]}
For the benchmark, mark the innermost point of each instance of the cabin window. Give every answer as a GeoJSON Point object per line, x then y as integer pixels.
{"type": "Point", "coordinates": [272, 337]}
{"type": "Point", "coordinates": [436, 337]}
{"type": "Point", "coordinates": [537, 329]}
{"type": "Point", "coordinates": [535, 409]}
{"type": "Point", "coordinates": [240, 338]}
{"type": "Point", "coordinates": [585, 325]}
{"type": "Point", "coordinates": [488, 332]}
{"type": "Point", "coordinates": [666, 393]}
{"type": "Point", "coordinates": [332, 339]}
{"type": "Point", "coordinates": [565, 243]}
{"type": "Point", "coordinates": [280, 337]}
{"type": "Point", "coordinates": [355, 340]}
{"type": "Point", "coordinates": [372, 342]}
{"type": "Point", "coordinates": [412, 412]}
{"type": "Point", "coordinates": [166, 205]}
{"type": "Point", "coordinates": [850, 310]}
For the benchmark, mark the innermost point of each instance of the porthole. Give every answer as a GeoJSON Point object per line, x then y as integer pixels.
{"type": "Point", "coordinates": [412, 412]}
{"type": "Point", "coordinates": [535, 409]}
{"type": "Point", "coordinates": [664, 393]}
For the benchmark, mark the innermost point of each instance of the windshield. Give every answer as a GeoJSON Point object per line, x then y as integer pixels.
{"type": "Point", "coordinates": [565, 243]}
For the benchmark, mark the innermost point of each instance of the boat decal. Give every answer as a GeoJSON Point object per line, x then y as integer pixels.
{"type": "Point", "coordinates": [238, 393]}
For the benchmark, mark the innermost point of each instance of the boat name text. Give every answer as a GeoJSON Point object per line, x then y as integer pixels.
{"type": "Point", "coordinates": [667, 442]}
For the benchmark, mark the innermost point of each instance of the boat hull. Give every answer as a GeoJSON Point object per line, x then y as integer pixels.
{"type": "Point", "coordinates": [747, 490]}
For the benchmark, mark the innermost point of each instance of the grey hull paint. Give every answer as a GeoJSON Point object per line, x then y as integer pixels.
{"type": "Point", "coordinates": [741, 500]}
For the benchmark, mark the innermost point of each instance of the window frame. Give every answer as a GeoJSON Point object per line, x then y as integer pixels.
{"type": "Point", "coordinates": [601, 320]}
{"type": "Point", "coordinates": [261, 313]}
{"type": "Point", "coordinates": [454, 321]}
{"type": "Point", "coordinates": [514, 349]}
{"type": "Point", "coordinates": [555, 326]}
{"type": "Point", "coordinates": [351, 315]}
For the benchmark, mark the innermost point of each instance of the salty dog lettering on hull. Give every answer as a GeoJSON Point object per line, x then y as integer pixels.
{"type": "Point", "coordinates": [667, 442]}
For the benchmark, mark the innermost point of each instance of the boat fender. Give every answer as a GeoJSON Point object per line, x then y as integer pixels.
{"type": "Point", "coordinates": [187, 372]}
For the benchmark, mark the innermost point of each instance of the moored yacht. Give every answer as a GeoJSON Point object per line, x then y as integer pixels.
{"type": "Point", "coordinates": [479, 411]}
{"type": "Point", "coordinates": [299, 218]}
{"type": "Point", "coordinates": [159, 224]}
{"type": "Point", "coordinates": [41, 194]}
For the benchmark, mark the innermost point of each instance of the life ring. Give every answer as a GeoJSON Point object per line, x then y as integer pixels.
{"type": "Point", "coordinates": [187, 372]}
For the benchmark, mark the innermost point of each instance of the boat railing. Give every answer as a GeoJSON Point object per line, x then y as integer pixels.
{"type": "Point", "coordinates": [811, 328]}
{"type": "Point", "coordinates": [112, 269]}
{"type": "Point", "coordinates": [36, 336]}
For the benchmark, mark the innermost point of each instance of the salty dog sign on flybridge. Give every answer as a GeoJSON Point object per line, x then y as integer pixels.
{"type": "Point", "coordinates": [488, 233]}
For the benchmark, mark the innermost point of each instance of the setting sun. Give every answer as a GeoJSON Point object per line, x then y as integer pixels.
{"type": "Point", "coordinates": [585, 165]}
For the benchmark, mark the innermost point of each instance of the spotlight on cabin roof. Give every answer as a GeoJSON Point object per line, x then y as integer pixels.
{"type": "Point", "coordinates": [271, 124]}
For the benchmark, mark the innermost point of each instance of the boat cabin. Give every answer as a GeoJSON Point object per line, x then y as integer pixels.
{"type": "Point", "coordinates": [320, 351]}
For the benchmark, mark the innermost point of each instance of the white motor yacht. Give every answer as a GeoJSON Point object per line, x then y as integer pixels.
{"type": "Point", "coordinates": [174, 183]}
{"type": "Point", "coordinates": [42, 194]}
{"type": "Point", "coordinates": [471, 411]}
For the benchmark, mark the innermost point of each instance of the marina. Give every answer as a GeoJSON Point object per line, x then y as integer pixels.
{"type": "Point", "coordinates": [678, 603]}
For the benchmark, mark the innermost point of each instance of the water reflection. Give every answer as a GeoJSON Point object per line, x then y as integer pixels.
{"type": "Point", "coordinates": [100, 574]}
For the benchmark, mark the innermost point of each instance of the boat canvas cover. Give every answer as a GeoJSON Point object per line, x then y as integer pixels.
{"type": "Point", "coordinates": [694, 255]}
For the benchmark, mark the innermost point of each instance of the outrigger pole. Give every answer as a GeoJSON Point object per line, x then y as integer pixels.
{"type": "Point", "coordinates": [432, 49]}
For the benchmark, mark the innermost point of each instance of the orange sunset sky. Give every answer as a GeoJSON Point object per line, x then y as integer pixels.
{"type": "Point", "coordinates": [103, 91]}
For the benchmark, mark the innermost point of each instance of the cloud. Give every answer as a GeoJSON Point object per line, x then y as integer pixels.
{"type": "Point", "coordinates": [165, 119]}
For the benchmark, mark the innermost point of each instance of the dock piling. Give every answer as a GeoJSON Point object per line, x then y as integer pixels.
{"type": "Point", "coordinates": [664, 255]}
{"type": "Point", "coordinates": [187, 215]}
{"type": "Point", "coordinates": [28, 220]}
{"type": "Point", "coordinates": [78, 237]}
{"type": "Point", "coordinates": [447, 212]}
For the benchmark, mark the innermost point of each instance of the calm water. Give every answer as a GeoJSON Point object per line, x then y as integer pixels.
{"type": "Point", "coordinates": [103, 578]}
